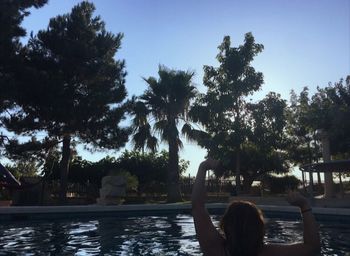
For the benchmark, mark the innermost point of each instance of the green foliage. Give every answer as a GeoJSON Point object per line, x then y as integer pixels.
{"type": "Point", "coordinates": [166, 101]}
{"type": "Point", "coordinates": [263, 151]}
{"type": "Point", "coordinates": [222, 110]}
{"type": "Point", "coordinates": [302, 146]}
{"type": "Point", "coordinates": [72, 87]}
{"type": "Point", "coordinates": [132, 182]}
{"type": "Point", "coordinates": [149, 169]}
{"type": "Point", "coordinates": [280, 185]}
{"type": "Point", "coordinates": [71, 66]}
{"type": "Point", "coordinates": [162, 107]}
{"type": "Point", "coordinates": [246, 137]}
{"type": "Point", "coordinates": [24, 168]}
{"type": "Point", "coordinates": [12, 13]}
{"type": "Point", "coordinates": [330, 112]}
{"type": "Point", "coordinates": [267, 122]}
{"type": "Point", "coordinates": [82, 171]}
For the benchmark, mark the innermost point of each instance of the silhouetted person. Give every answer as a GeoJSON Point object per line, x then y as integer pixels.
{"type": "Point", "coordinates": [243, 228]}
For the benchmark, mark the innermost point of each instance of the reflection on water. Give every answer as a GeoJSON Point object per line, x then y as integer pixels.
{"type": "Point", "coordinates": [151, 235]}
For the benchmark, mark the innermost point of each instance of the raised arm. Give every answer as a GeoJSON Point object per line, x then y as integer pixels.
{"type": "Point", "coordinates": [311, 245]}
{"type": "Point", "coordinates": [210, 240]}
{"type": "Point", "coordinates": [311, 230]}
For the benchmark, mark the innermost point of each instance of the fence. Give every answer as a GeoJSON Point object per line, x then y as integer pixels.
{"type": "Point", "coordinates": [78, 190]}
{"type": "Point", "coordinates": [213, 185]}
{"type": "Point", "coordinates": [74, 190]}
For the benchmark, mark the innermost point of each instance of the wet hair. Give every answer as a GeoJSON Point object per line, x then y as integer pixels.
{"type": "Point", "coordinates": [243, 228]}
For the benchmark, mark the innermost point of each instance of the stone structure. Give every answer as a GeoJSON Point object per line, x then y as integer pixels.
{"type": "Point", "coordinates": [113, 189]}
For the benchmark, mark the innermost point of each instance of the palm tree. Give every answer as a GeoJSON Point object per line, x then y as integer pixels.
{"type": "Point", "coordinates": [159, 111]}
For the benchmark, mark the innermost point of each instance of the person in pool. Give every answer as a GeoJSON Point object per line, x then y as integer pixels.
{"type": "Point", "coordinates": [242, 226]}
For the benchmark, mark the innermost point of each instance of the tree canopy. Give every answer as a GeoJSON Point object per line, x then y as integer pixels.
{"type": "Point", "coordinates": [330, 112]}
{"type": "Point", "coordinates": [165, 104]}
{"type": "Point", "coordinates": [221, 110]}
{"type": "Point", "coordinates": [72, 86]}
{"type": "Point", "coordinates": [66, 86]}
{"type": "Point", "coordinates": [12, 13]}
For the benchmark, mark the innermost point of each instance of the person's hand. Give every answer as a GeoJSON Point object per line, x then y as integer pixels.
{"type": "Point", "coordinates": [296, 199]}
{"type": "Point", "coordinates": [209, 164]}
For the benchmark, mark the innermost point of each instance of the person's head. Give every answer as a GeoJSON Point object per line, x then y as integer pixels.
{"type": "Point", "coordinates": [244, 228]}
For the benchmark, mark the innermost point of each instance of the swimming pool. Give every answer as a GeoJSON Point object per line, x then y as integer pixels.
{"type": "Point", "coordinates": [172, 234]}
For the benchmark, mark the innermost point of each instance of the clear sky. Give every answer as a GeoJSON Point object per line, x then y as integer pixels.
{"type": "Point", "coordinates": [307, 43]}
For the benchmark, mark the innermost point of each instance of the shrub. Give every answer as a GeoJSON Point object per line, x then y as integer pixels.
{"type": "Point", "coordinates": [146, 171]}
{"type": "Point", "coordinates": [278, 185]}
{"type": "Point", "coordinates": [132, 182]}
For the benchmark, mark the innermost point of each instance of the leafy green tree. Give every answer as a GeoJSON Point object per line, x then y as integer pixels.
{"type": "Point", "coordinates": [280, 185]}
{"type": "Point", "coordinates": [81, 171]}
{"type": "Point", "coordinates": [299, 128]}
{"type": "Point", "coordinates": [330, 112]}
{"type": "Point", "coordinates": [164, 105]}
{"type": "Point", "coordinates": [263, 152]}
{"type": "Point", "coordinates": [74, 88]}
{"type": "Point", "coordinates": [24, 168]}
{"type": "Point", "coordinates": [221, 111]}
{"type": "Point", "coordinates": [12, 13]}
{"type": "Point", "coordinates": [303, 144]}
{"type": "Point", "coordinates": [310, 120]}
{"type": "Point", "coordinates": [150, 168]}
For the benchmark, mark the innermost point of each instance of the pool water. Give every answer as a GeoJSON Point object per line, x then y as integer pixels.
{"type": "Point", "coordinates": [148, 235]}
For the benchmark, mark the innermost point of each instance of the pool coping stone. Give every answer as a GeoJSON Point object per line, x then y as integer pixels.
{"type": "Point", "coordinates": [28, 210]}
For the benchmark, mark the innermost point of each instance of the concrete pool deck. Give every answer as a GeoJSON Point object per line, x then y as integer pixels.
{"type": "Point", "coordinates": [53, 212]}
{"type": "Point", "coordinates": [319, 202]}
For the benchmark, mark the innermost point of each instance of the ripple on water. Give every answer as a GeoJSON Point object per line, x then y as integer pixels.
{"type": "Point", "coordinates": [152, 235]}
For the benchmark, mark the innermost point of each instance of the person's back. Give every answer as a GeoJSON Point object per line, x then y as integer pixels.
{"type": "Point", "coordinates": [242, 226]}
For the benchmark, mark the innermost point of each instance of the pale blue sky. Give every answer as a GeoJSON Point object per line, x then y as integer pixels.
{"type": "Point", "coordinates": [307, 43]}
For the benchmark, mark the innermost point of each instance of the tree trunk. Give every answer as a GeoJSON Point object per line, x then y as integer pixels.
{"type": "Point", "coordinates": [247, 183]}
{"type": "Point", "coordinates": [238, 162]}
{"type": "Point", "coordinates": [174, 193]}
{"type": "Point", "coordinates": [303, 178]}
{"type": "Point", "coordinates": [238, 172]}
{"type": "Point", "coordinates": [341, 187]}
{"type": "Point", "coordinates": [328, 176]}
{"type": "Point", "coordinates": [64, 167]}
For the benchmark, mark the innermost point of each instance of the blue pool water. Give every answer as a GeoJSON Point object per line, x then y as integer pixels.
{"type": "Point", "coordinates": [149, 235]}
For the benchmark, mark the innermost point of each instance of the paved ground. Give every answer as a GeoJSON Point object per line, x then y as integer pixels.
{"type": "Point", "coordinates": [281, 201]}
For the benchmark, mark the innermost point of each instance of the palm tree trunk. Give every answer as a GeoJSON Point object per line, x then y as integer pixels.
{"type": "Point", "coordinates": [173, 186]}
{"type": "Point", "coordinates": [64, 167]}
